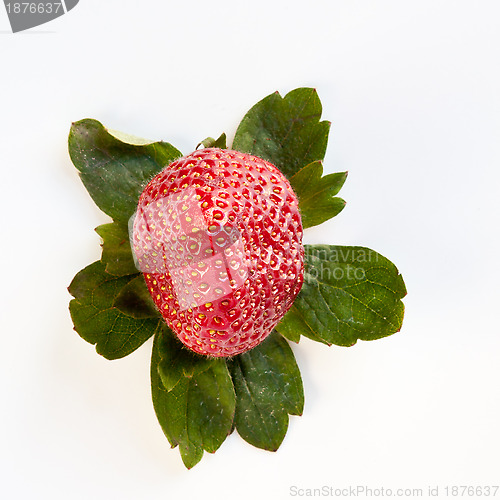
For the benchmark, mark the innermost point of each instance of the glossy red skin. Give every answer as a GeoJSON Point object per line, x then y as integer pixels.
{"type": "Point", "coordinates": [218, 236]}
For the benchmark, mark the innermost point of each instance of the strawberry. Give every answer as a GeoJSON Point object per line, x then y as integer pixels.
{"type": "Point", "coordinates": [218, 237]}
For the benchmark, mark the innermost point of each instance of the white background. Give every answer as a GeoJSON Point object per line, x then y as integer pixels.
{"type": "Point", "coordinates": [412, 90]}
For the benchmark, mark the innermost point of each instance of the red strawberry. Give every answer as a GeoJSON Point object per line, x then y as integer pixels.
{"type": "Point", "coordinates": [218, 236]}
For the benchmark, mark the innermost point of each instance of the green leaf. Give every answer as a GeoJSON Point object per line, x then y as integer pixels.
{"type": "Point", "coordinates": [96, 320]}
{"type": "Point", "coordinates": [178, 362]}
{"type": "Point", "coordinates": [285, 131]}
{"type": "Point", "coordinates": [210, 142]}
{"type": "Point", "coordinates": [268, 388]}
{"type": "Point", "coordinates": [349, 293]}
{"type": "Point", "coordinates": [197, 412]}
{"type": "Point", "coordinates": [114, 172]}
{"type": "Point", "coordinates": [291, 325]}
{"type": "Point", "coordinates": [116, 250]}
{"type": "Point", "coordinates": [317, 201]}
{"type": "Point", "coordinates": [135, 300]}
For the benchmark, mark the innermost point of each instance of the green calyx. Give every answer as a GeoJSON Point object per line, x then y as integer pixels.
{"type": "Point", "coordinates": [349, 293]}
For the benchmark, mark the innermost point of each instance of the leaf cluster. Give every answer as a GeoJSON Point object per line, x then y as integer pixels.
{"type": "Point", "coordinates": [349, 293]}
